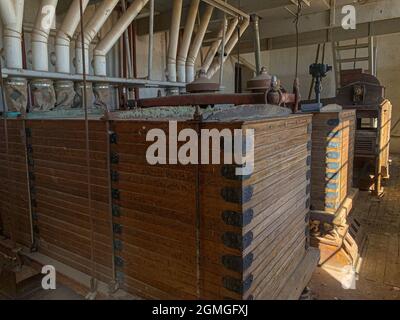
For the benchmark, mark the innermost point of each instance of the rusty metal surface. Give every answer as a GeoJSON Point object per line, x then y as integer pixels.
{"type": "Point", "coordinates": [359, 90]}
{"type": "Point", "coordinates": [260, 83]}
{"type": "Point", "coordinates": [202, 84]}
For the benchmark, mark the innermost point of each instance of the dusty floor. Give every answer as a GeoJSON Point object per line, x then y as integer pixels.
{"type": "Point", "coordinates": [61, 293]}
{"type": "Point", "coordinates": [379, 276]}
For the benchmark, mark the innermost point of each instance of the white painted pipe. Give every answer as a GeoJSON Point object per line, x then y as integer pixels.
{"type": "Point", "coordinates": [12, 13]}
{"type": "Point", "coordinates": [65, 34]}
{"type": "Point", "coordinates": [217, 43]}
{"type": "Point", "coordinates": [7, 12]}
{"type": "Point", "coordinates": [40, 34]}
{"type": "Point", "coordinates": [187, 37]}
{"type": "Point", "coordinates": [173, 39]}
{"type": "Point", "coordinates": [92, 28]}
{"type": "Point", "coordinates": [113, 35]}
{"type": "Point", "coordinates": [228, 48]}
{"type": "Point", "coordinates": [197, 42]}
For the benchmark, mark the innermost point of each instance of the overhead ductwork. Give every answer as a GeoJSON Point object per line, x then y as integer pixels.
{"type": "Point", "coordinates": [12, 12]}
{"type": "Point", "coordinates": [65, 92]}
{"type": "Point", "coordinates": [173, 39]}
{"type": "Point", "coordinates": [101, 92]}
{"type": "Point", "coordinates": [91, 29]}
{"type": "Point", "coordinates": [196, 45]}
{"type": "Point", "coordinates": [44, 97]}
{"type": "Point", "coordinates": [94, 25]}
{"type": "Point", "coordinates": [187, 37]}
{"type": "Point", "coordinates": [113, 35]}
{"type": "Point", "coordinates": [217, 43]}
{"type": "Point", "coordinates": [228, 48]}
{"type": "Point", "coordinates": [65, 34]}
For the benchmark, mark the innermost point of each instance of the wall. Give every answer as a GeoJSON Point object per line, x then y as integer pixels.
{"type": "Point", "coordinates": [159, 64]}
{"type": "Point", "coordinates": [282, 62]}
{"type": "Point", "coordinates": [389, 74]}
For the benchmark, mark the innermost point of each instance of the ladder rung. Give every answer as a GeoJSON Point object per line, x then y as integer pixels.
{"type": "Point", "coordinates": [353, 60]}
{"type": "Point", "coordinates": [353, 46]}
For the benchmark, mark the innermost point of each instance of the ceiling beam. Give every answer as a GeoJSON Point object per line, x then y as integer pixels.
{"type": "Point", "coordinates": [370, 11]}
{"type": "Point", "coordinates": [321, 36]}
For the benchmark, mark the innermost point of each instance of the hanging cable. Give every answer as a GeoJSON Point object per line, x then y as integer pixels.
{"type": "Point", "coordinates": [297, 22]}
{"type": "Point", "coordinates": [93, 280]}
{"type": "Point", "coordinates": [5, 115]}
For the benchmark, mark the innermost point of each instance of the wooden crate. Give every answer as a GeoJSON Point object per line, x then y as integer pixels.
{"type": "Point", "coordinates": [167, 231]}
{"type": "Point", "coordinates": [235, 239]}
{"type": "Point", "coordinates": [333, 137]}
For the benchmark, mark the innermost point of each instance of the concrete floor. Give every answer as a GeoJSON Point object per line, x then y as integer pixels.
{"type": "Point", "coordinates": [379, 276]}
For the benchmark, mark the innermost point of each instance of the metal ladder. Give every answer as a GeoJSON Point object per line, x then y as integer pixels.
{"type": "Point", "coordinates": [357, 61]}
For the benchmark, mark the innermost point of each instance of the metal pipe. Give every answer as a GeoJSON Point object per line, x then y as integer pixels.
{"type": "Point", "coordinates": [113, 35]}
{"type": "Point", "coordinates": [7, 12]}
{"type": "Point", "coordinates": [257, 50]}
{"type": "Point", "coordinates": [40, 34]}
{"type": "Point", "coordinates": [11, 12]}
{"type": "Point", "coordinates": [92, 28]}
{"type": "Point", "coordinates": [217, 43]}
{"type": "Point", "coordinates": [228, 48]}
{"type": "Point", "coordinates": [222, 53]}
{"type": "Point", "coordinates": [65, 34]}
{"type": "Point", "coordinates": [31, 74]}
{"type": "Point", "coordinates": [187, 37]}
{"type": "Point", "coordinates": [151, 41]}
{"type": "Point", "coordinates": [197, 42]}
{"type": "Point", "coordinates": [15, 90]}
{"type": "Point", "coordinates": [127, 46]}
{"type": "Point", "coordinates": [173, 39]}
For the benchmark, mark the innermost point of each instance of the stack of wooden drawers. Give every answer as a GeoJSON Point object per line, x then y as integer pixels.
{"type": "Point", "coordinates": [332, 159]}
{"type": "Point", "coordinates": [59, 185]}
{"type": "Point", "coordinates": [332, 195]}
{"type": "Point", "coordinates": [15, 219]}
{"type": "Point", "coordinates": [167, 231]}
{"type": "Point", "coordinates": [201, 231]}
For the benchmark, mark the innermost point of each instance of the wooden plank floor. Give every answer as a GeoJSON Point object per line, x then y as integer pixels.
{"type": "Point", "coordinates": [379, 276]}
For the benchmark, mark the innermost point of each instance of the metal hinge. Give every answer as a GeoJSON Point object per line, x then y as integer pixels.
{"type": "Point", "coordinates": [119, 262]}
{"type": "Point", "coordinates": [236, 240]}
{"type": "Point", "coordinates": [113, 138]}
{"type": "Point", "coordinates": [237, 219]}
{"type": "Point", "coordinates": [115, 194]}
{"type": "Point", "coordinates": [116, 212]}
{"type": "Point", "coordinates": [118, 245]}
{"type": "Point", "coordinates": [117, 228]}
{"type": "Point", "coordinates": [114, 158]}
{"type": "Point", "coordinates": [237, 195]}
{"type": "Point", "coordinates": [238, 286]}
{"type": "Point", "coordinates": [114, 176]}
{"type": "Point", "coordinates": [237, 263]}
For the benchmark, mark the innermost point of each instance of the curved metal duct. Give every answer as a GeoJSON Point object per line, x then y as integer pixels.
{"type": "Point", "coordinates": [187, 37]}
{"type": "Point", "coordinates": [92, 28]}
{"type": "Point", "coordinates": [173, 39]}
{"type": "Point", "coordinates": [65, 92]}
{"type": "Point", "coordinates": [196, 45]}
